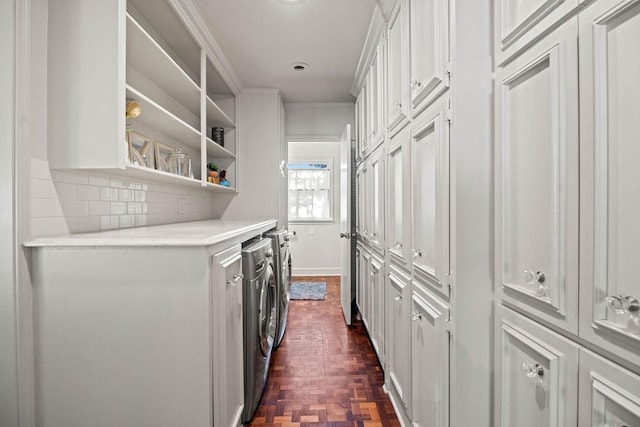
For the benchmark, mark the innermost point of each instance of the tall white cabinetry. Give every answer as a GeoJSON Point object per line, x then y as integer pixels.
{"type": "Point", "coordinates": [566, 212]}
{"type": "Point", "coordinates": [105, 54]}
{"type": "Point", "coordinates": [263, 156]}
{"type": "Point", "coordinates": [424, 179]}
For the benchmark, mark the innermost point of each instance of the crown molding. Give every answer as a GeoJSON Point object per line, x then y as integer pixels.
{"type": "Point", "coordinates": [376, 28]}
{"type": "Point", "coordinates": [189, 11]}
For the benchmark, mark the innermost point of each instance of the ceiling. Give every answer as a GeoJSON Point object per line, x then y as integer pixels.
{"type": "Point", "coordinates": [261, 39]}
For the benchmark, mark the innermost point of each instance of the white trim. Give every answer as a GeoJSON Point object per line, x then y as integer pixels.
{"type": "Point", "coordinates": [22, 197]}
{"type": "Point", "coordinates": [312, 138]}
{"type": "Point", "coordinates": [261, 90]}
{"type": "Point", "coordinates": [317, 104]}
{"type": "Point", "coordinates": [316, 271]}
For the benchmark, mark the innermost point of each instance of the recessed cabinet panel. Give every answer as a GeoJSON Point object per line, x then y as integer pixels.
{"type": "Point", "coordinates": [364, 118]}
{"type": "Point", "coordinates": [536, 374]}
{"type": "Point", "coordinates": [537, 179]}
{"type": "Point", "coordinates": [609, 394]}
{"type": "Point", "coordinates": [430, 197]}
{"type": "Point", "coordinates": [398, 306]}
{"type": "Point", "coordinates": [363, 213]}
{"type": "Point", "coordinates": [429, 51]}
{"type": "Point", "coordinates": [376, 304]}
{"type": "Point", "coordinates": [398, 97]}
{"type": "Point", "coordinates": [399, 187]}
{"type": "Point", "coordinates": [376, 178]}
{"type": "Point", "coordinates": [429, 360]}
{"type": "Point", "coordinates": [519, 23]}
{"type": "Point", "coordinates": [610, 229]}
{"type": "Point", "coordinates": [365, 288]}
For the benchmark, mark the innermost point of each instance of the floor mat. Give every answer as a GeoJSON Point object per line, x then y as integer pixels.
{"type": "Point", "coordinates": [308, 290]}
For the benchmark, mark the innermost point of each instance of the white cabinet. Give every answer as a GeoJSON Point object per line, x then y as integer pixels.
{"type": "Point", "coordinates": [536, 374]}
{"type": "Point", "coordinates": [375, 135]}
{"type": "Point", "coordinates": [142, 52]}
{"type": "Point", "coordinates": [537, 179]}
{"type": "Point", "coordinates": [398, 89]}
{"type": "Point", "coordinates": [399, 327]}
{"type": "Point", "coordinates": [228, 348]}
{"type": "Point", "coordinates": [429, 360]}
{"type": "Point", "coordinates": [609, 394]}
{"type": "Point", "coordinates": [399, 183]}
{"type": "Point", "coordinates": [610, 231]}
{"type": "Point", "coordinates": [376, 305]}
{"type": "Point", "coordinates": [430, 65]}
{"type": "Point", "coordinates": [375, 176]}
{"type": "Point", "coordinates": [430, 197]}
{"type": "Point", "coordinates": [520, 23]}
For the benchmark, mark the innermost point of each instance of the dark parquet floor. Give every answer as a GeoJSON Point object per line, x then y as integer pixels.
{"type": "Point", "coordinates": [324, 373]}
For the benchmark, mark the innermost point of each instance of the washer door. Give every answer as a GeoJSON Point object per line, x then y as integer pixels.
{"type": "Point", "coordinates": [267, 326]}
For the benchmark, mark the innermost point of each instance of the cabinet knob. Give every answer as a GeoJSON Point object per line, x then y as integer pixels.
{"type": "Point", "coordinates": [416, 316]}
{"type": "Point", "coordinates": [373, 273]}
{"type": "Point", "coordinates": [416, 253]}
{"type": "Point", "coordinates": [268, 253]}
{"type": "Point", "coordinates": [397, 105]}
{"type": "Point", "coordinates": [416, 83]}
{"type": "Point", "coordinates": [397, 245]}
{"type": "Point", "coordinates": [397, 298]}
{"type": "Point", "coordinates": [235, 279]}
{"type": "Point", "coordinates": [533, 371]}
{"type": "Point", "coordinates": [620, 304]}
{"type": "Point", "coordinates": [539, 278]}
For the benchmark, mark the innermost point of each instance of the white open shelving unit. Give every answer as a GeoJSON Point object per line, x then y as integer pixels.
{"type": "Point", "coordinates": [142, 51]}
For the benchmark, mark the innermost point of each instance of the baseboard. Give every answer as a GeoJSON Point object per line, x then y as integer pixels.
{"type": "Point", "coordinates": [316, 271]}
{"type": "Point", "coordinates": [397, 406]}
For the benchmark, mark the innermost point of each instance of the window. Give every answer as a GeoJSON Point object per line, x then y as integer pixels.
{"type": "Point", "coordinates": [310, 191]}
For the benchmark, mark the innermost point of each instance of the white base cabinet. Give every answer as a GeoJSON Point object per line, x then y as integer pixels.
{"type": "Point", "coordinates": [141, 333]}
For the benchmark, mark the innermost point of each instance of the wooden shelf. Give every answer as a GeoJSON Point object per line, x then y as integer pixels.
{"type": "Point", "coordinates": [217, 117]}
{"type": "Point", "coordinates": [156, 117]}
{"type": "Point", "coordinates": [146, 56]}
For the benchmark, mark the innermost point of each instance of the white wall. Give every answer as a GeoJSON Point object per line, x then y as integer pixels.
{"type": "Point", "coordinates": [313, 132]}
{"type": "Point", "coordinates": [8, 362]}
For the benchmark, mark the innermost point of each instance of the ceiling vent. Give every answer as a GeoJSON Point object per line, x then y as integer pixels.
{"type": "Point", "coordinates": [299, 66]}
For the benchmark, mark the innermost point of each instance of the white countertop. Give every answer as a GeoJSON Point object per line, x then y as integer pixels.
{"type": "Point", "coordinates": [196, 233]}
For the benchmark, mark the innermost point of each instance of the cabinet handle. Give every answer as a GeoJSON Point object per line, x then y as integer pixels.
{"type": "Point", "coordinates": [416, 253]}
{"type": "Point", "coordinates": [373, 273]}
{"type": "Point", "coordinates": [619, 304]}
{"type": "Point", "coordinates": [538, 277]}
{"type": "Point", "coordinates": [397, 245]}
{"type": "Point", "coordinates": [397, 105]}
{"type": "Point", "coordinates": [416, 83]}
{"type": "Point", "coordinates": [397, 298]}
{"type": "Point", "coordinates": [416, 316]}
{"type": "Point", "coordinates": [533, 371]}
{"type": "Point", "coordinates": [235, 279]}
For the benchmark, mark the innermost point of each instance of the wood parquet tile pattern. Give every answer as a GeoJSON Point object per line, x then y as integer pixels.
{"type": "Point", "coordinates": [324, 373]}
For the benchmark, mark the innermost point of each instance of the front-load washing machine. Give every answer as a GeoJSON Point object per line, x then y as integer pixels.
{"type": "Point", "coordinates": [282, 263]}
{"type": "Point", "coordinates": [259, 315]}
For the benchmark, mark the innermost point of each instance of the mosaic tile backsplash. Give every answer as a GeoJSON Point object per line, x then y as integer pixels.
{"type": "Point", "coordinates": [65, 202]}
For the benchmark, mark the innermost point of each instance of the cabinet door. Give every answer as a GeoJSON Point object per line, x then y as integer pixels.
{"type": "Point", "coordinates": [429, 52]}
{"type": "Point", "coordinates": [365, 263]}
{"type": "Point", "coordinates": [376, 304]}
{"type": "Point", "coordinates": [609, 394]}
{"type": "Point", "coordinates": [359, 130]}
{"type": "Point", "coordinates": [228, 384]}
{"type": "Point", "coordinates": [610, 178]}
{"type": "Point", "coordinates": [357, 279]}
{"type": "Point", "coordinates": [519, 23]}
{"type": "Point", "coordinates": [374, 98]}
{"type": "Point", "coordinates": [398, 303]}
{"type": "Point", "coordinates": [537, 179]}
{"type": "Point", "coordinates": [398, 97]}
{"type": "Point", "coordinates": [361, 226]}
{"type": "Point", "coordinates": [429, 360]}
{"type": "Point", "coordinates": [536, 374]}
{"type": "Point", "coordinates": [399, 181]}
{"type": "Point", "coordinates": [376, 181]}
{"type": "Point", "coordinates": [364, 118]}
{"type": "Point", "coordinates": [430, 197]}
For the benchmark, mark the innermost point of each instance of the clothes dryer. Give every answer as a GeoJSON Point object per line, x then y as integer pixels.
{"type": "Point", "coordinates": [282, 261]}
{"type": "Point", "coordinates": [259, 319]}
